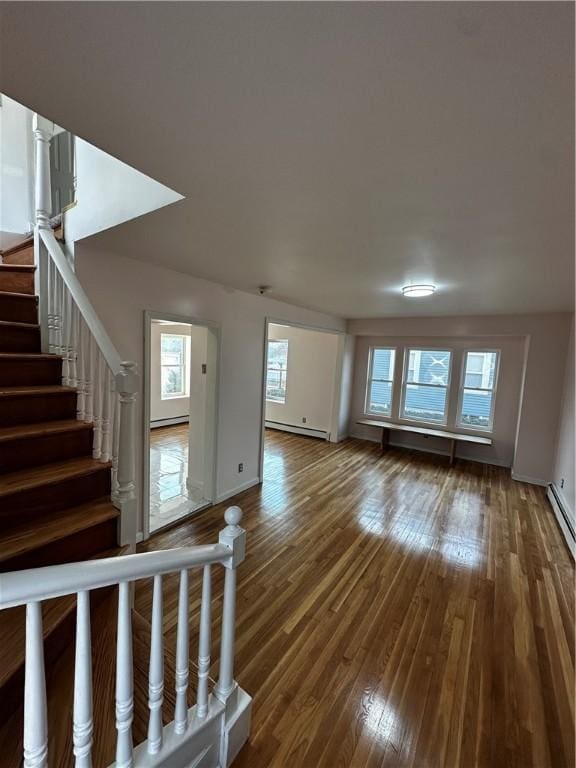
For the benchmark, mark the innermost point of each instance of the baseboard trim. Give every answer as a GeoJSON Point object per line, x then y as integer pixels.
{"type": "Point", "coordinates": [169, 422]}
{"type": "Point", "coordinates": [562, 518]}
{"type": "Point", "coordinates": [239, 489]}
{"type": "Point", "coordinates": [530, 480]}
{"type": "Point", "coordinates": [307, 431]}
{"type": "Point", "coordinates": [435, 452]}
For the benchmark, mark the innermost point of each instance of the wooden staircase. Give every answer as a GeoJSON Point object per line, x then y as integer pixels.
{"type": "Point", "coordinates": [55, 503]}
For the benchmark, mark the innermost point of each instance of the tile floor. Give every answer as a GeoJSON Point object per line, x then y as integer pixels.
{"type": "Point", "coordinates": [170, 499]}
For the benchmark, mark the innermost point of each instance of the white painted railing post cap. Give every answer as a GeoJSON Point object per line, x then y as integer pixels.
{"type": "Point", "coordinates": [233, 537]}
{"type": "Point", "coordinates": [127, 379]}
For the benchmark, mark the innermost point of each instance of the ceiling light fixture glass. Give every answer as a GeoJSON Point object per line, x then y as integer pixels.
{"type": "Point", "coordinates": [418, 291]}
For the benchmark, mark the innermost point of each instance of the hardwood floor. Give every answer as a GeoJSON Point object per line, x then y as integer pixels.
{"type": "Point", "coordinates": [393, 611]}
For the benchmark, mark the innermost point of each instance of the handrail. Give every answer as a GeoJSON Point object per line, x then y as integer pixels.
{"type": "Point", "coordinates": [36, 584]}
{"type": "Point", "coordinates": [81, 300]}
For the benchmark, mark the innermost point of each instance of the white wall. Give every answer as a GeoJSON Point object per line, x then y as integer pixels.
{"type": "Point", "coordinates": [121, 289]}
{"type": "Point", "coordinates": [546, 338]}
{"type": "Point", "coordinates": [109, 192]}
{"type": "Point", "coordinates": [175, 406]}
{"type": "Point", "coordinates": [511, 348]}
{"type": "Point", "coordinates": [563, 477]}
{"type": "Point", "coordinates": [16, 167]}
{"type": "Point", "coordinates": [311, 378]}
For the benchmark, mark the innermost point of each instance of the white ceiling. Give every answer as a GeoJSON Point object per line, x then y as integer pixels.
{"type": "Point", "coordinates": [335, 151]}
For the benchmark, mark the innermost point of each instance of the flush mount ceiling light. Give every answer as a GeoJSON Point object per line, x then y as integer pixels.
{"type": "Point", "coordinates": [418, 291]}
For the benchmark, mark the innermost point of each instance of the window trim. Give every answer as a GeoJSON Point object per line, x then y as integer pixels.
{"type": "Point", "coordinates": [369, 380]}
{"type": "Point", "coordinates": [185, 392]}
{"type": "Point", "coordinates": [469, 427]}
{"type": "Point", "coordinates": [447, 386]}
{"type": "Point", "coordinates": [269, 399]}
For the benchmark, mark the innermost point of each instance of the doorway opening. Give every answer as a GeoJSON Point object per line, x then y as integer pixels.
{"type": "Point", "coordinates": [301, 391]}
{"type": "Point", "coordinates": [179, 423]}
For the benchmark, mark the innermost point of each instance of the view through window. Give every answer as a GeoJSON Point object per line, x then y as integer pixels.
{"type": "Point", "coordinates": [277, 370]}
{"type": "Point", "coordinates": [477, 392]}
{"type": "Point", "coordinates": [427, 378]}
{"type": "Point", "coordinates": [173, 365]}
{"type": "Point", "coordinates": [380, 378]}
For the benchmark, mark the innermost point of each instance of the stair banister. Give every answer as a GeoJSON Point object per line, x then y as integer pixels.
{"type": "Point", "coordinates": [223, 714]}
{"type": "Point", "coordinates": [71, 327]}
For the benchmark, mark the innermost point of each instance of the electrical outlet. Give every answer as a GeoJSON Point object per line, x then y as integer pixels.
{"type": "Point", "coordinates": [241, 467]}
{"type": "Point", "coordinates": [562, 482]}
{"type": "Point", "coordinates": [303, 419]}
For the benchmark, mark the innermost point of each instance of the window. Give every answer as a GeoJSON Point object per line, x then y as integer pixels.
{"type": "Point", "coordinates": [380, 379]}
{"type": "Point", "coordinates": [277, 371]}
{"type": "Point", "coordinates": [476, 404]}
{"type": "Point", "coordinates": [426, 383]}
{"type": "Point", "coordinates": [173, 365]}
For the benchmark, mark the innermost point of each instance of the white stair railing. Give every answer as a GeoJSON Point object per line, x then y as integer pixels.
{"type": "Point", "coordinates": [209, 733]}
{"type": "Point", "coordinates": [107, 386]}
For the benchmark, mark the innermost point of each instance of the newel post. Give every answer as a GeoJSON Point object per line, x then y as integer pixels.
{"type": "Point", "coordinates": [233, 537]}
{"type": "Point", "coordinates": [42, 130]}
{"type": "Point", "coordinates": [127, 382]}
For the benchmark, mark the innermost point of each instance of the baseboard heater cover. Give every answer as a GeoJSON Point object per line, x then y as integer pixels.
{"type": "Point", "coordinates": [322, 434]}
{"type": "Point", "coordinates": [169, 422]}
{"type": "Point", "coordinates": [564, 520]}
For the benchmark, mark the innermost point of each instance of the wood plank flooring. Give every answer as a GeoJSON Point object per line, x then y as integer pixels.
{"type": "Point", "coordinates": [393, 611]}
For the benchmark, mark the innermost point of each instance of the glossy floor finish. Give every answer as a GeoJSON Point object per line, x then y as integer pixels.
{"type": "Point", "coordinates": [394, 611]}
{"type": "Point", "coordinates": [170, 499]}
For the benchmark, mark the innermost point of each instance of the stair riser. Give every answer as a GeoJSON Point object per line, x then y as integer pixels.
{"type": "Point", "coordinates": [30, 410]}
{"type": "Point", "coordinates": [30, 372]}
{"type": "Point", "coordinates": [79, 546]}
{"type": "Point", "coordinates": [28, 504]}
{"type": "Point", "coordinates": [22, 256]}
{"type": "Point", "coordinates": [18, 309]}
{"type": "Point", "coordinates": [21, 339]}
{"type": "Point", "coordinates": [36, 450]}
{"type": "Point", "coordinates": [17, 282]}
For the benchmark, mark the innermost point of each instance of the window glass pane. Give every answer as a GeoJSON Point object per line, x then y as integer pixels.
{"type": "Point", "coordinates": [429, 366]}
{"type": "Point", "coordinates": [480, 369]}
{"type": "Point", "coordinates": [380, 400]}
{"type": "Point", "coordinates": [383, 364]}
{"type": "Point", "coordinates": [476, 408]}
{"type": "Point", "coordinates": [172, 380]}
{"type": "Point", "coordinates": [424, 403]}
{"type": "Point", "coordinates": [277, 370]}
{"type": "Point", "coordinates": [173, 346]}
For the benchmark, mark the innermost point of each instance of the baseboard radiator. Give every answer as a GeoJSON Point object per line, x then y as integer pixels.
{"type": "Point", "coordinates": [564, 518]}
{"type": "Point", "coordinates": [298, 430]}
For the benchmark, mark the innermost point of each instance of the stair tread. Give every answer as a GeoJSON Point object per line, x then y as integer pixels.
{"type": "Point", "coordinates": [15, 295]}
{"type": "Point", "coordinates": [46, 474]}
{"type": "Point", "coordinates": [33, 390]}
{"type": "Point", "coordinates": [43, 428]}
{"type": "Point", "coordinates": [27, 537]}
{"type": "Point", "coordinates": [15, 356]}
{"type": "Point", "coordinates": [26, 243]}
{"type": "Point", "coordinates": [17, 324]}
{"type": "Point", "coordinates": [17, 268]}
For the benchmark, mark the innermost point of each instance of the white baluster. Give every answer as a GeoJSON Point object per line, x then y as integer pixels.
{"type": "Point", "coordinates": [58, 302]}
{"type": "Point", "coordinates": [106, 450]}
{"type": "Point", "coordinates": [115, 432]}
{"type": "Point", "coordinates": [124, 680]}
{"type": "Point", "coordinates": [156, 671]}
{"type": "Point", "coordinates": [35, 722]}
{"type": "Point", "coordinates": [127, 386]}
{"type": "Point", "coordinates": [65, 334]}
{"type": "Point", "coordinates": [87, 344]}
{"type": "Point", "coordinates": [80, 367]}
{"type": "Point", "coordinates": [72, 343]}
{"type": "Point", "coordinates": [50, 300]}
{"type": "Point", "coordinates": [234, 538]}
{"type": "Point", "coordinates": [43, 204]}
{"type": "Point", "coordinates": [181, 709]}
{"type": "Point", "coordinates": [82, 725]}
{"type": "Point", "coordinates": [97, 368]}
{"type": "Point", "coordinates": [204, 644]}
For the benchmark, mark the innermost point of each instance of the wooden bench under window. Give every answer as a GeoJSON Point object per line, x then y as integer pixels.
{"type": "Point", "coordinates": [453, 437]}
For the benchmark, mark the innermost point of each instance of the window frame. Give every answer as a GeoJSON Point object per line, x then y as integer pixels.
{"type": "Point", "coordinates": [274, 341]}
{"type": "Point", "coordinates": [184, 366]}
{"type": "Point", "coordinates": [405, 382]}
{"type": "Point", "coordinates": [462, 387]}
{"type": "Point", "coordinates": [370, 379]}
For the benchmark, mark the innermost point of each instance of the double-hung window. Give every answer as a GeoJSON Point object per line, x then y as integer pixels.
{"type": "Point", "coordinates": [478, 389]}
{"type": "Point", "coordinates": [426, 385]}
{"type": "Point", "coordinates": [380, 381]}
{"type": "Point", "coordinates": [173, 363]}
{"type": "Point", "coordinates": [277, 370]}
